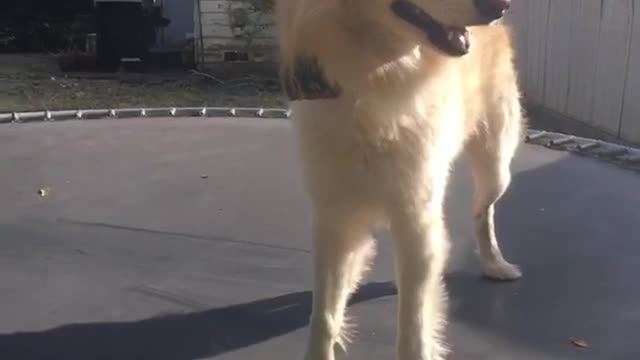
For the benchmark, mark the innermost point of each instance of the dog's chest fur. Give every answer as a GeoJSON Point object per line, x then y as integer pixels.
{"type": "Point", "coordinates": [374, 141]}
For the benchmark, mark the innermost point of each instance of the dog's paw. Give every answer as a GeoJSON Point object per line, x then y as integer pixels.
{"type": "Point", "coordinates": [501, 270]}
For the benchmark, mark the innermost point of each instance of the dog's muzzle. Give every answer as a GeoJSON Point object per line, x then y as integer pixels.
{"type": "Point", "coordinates": [453, 40]}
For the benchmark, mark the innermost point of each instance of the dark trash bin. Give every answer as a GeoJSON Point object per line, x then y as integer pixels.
{"type": "Point", "coordinates": [121, 31]}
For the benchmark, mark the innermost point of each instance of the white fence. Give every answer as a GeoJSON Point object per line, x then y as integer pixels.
{"type": "Point", "coordinates": [581, 59]}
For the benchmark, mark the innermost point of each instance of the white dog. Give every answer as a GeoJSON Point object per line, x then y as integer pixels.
{"type": "Point", "coordinates": [385, 94]}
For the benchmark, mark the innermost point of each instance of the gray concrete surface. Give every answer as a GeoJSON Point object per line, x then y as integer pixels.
{"type": "Point", "coordinates": [176, 239]}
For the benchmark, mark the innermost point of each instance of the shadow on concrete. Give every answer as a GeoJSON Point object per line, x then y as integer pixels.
{"type": "Point", "coordinates": [175, 337]}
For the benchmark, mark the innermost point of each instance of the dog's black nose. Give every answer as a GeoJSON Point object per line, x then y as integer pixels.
{"type": "Point", "coordinates": [492, 9]}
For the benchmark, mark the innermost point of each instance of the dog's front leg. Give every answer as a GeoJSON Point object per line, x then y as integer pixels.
{"type": "Point", "coordinates": [342, 250]}
{"type": "Point", "coordinates": [421, 248]}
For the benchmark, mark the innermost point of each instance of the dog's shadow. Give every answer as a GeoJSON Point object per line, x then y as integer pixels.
{"type": "Point", "coordinates": [175, 337]}
{"type": "Point", "coordinates": [480, 303]}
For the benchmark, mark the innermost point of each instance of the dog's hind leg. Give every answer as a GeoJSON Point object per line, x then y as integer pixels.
{"type": "Point", "coordinates": [342, 250]}
{"type": "Point", "coordinates": [490, 152]}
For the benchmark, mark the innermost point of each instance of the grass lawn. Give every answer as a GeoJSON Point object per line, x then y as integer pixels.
{"type": "Point", "coordinates": [34, 82]}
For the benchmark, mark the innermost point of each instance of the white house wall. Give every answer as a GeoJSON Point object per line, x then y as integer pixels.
{"type": "Point", "coordinates": [215, 34]}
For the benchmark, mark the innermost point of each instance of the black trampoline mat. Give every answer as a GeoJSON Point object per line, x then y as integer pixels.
{"type": "Point", "coordinates": [176, 239]}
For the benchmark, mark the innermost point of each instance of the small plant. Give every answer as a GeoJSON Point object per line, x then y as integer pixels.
{"type": "Point", "coordinates": [247, 20]}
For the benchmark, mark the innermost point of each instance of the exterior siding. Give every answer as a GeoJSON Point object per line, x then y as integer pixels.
{"type": "Point", "coordinates": [215, 34]}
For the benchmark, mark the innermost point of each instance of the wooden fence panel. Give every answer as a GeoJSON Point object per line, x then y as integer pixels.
{"type": "Point", "coordinates": [630, 129]}
{"type": "Point", "coordinates": [557, 55]}
{"type": "Point", "coordinates": [611, 70]}
{"type": "Point", "coordinates": [536, 37]}
{"type": "Point", "coordinates": [582, 60]}
{"type": "Point", "coordinates": [585, 28]}
{"type": "Point", "coordinates": [518, 20]}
